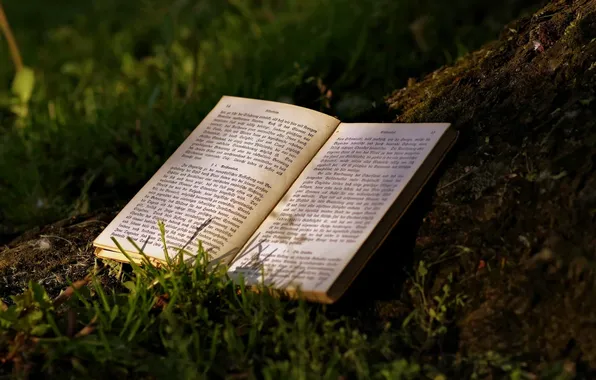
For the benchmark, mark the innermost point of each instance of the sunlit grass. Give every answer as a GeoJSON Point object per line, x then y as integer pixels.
{"type": "Point", "coordinates": [188, 320]}
{"type": "Point", "coordinates": [118, 85]}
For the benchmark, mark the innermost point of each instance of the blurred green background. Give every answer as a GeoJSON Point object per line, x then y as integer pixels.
{"type": "Point", "coordinates": [119, 84]}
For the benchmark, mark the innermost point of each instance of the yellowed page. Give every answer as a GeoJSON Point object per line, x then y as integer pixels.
{"type": "Point", "coordinates": [333, 206]}
{"type": "Point", "coordinates": [232, 169]}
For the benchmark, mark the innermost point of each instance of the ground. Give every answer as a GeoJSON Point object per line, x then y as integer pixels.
{"type": "Point", "coordinates": [514, 214]}
{"type": "Point", "coordinates": [503, 256]}
{"type": "Point", "coordinates": [51, 255]}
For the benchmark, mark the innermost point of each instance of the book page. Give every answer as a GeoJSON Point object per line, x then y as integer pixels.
{"type": "Point", "coordinates": [228, 175]}
{"type": "Point", "coordinates": [334, 205]}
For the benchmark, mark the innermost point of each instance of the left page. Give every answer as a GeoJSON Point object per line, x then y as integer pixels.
{"type": "Point", "coordinates": [231, 171]}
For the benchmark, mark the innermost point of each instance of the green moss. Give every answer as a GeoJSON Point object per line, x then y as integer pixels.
{"type": "Point", "coordinates": [527, 210]}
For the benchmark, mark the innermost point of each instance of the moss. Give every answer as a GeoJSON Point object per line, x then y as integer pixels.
{"type": "Point", "coordinates": [524, 108]}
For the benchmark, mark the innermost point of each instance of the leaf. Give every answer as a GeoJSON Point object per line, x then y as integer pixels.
{"type": "Point", "coordinates": [9, 316]}
{"type": "Point", "coordinates": [22, 85]}
{"type": "Point", "coordinates": [21, 110]}
{"type": "Point", "coordinates": [40, 330]}
{"type": "Point", "coordinates": [407, 320]}
{"type": "Point", "coordinates": [130, 285]}
{"type": "Point", "coordinates": [34, 316]}
{"type": "Point", "coordinates": [114, 313]}
{"type": "Point", "coordinates": [432, 313]}
{"type": "Point", "coordinates": [39, 294]}
{"type": "Point", "coordinates": [422, 271]}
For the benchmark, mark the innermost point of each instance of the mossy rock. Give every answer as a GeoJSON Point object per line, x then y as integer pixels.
{"type": "Point", "coordinates": [518, 194]}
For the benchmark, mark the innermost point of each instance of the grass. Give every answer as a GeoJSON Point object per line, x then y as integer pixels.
{"type": "Point", "coordinates": [116, 87]}
{"type": "Point", "coordinates": [192, 323]}
{"type": "Point", "coordinates": [187, 319]}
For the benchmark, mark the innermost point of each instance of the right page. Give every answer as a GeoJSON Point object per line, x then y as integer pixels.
{"type": "Point", "coordinates": [332, 208]}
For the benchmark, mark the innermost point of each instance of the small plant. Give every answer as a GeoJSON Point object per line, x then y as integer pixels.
{"type": "Point", "coordinates": [432, 315]}
{"type": "Point", "coordinates": [486, 364]}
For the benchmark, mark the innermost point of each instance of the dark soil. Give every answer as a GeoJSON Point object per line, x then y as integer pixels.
{"type": "Point", "coordinates": [516, 206]}
{"type": "Point", "coordinates": [52, 256]}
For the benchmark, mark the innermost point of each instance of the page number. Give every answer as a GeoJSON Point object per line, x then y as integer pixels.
{"type": "Point", "coordinates": [228, 105]}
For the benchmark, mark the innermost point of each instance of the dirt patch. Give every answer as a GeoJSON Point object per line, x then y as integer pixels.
{"type": "Point", "coordinates": [52, 255]}
{"type": "Point", "coordinates": [519, 195]}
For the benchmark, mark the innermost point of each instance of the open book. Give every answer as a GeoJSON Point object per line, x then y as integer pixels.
{"type": "Point", "coordinates": [287, 196]}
